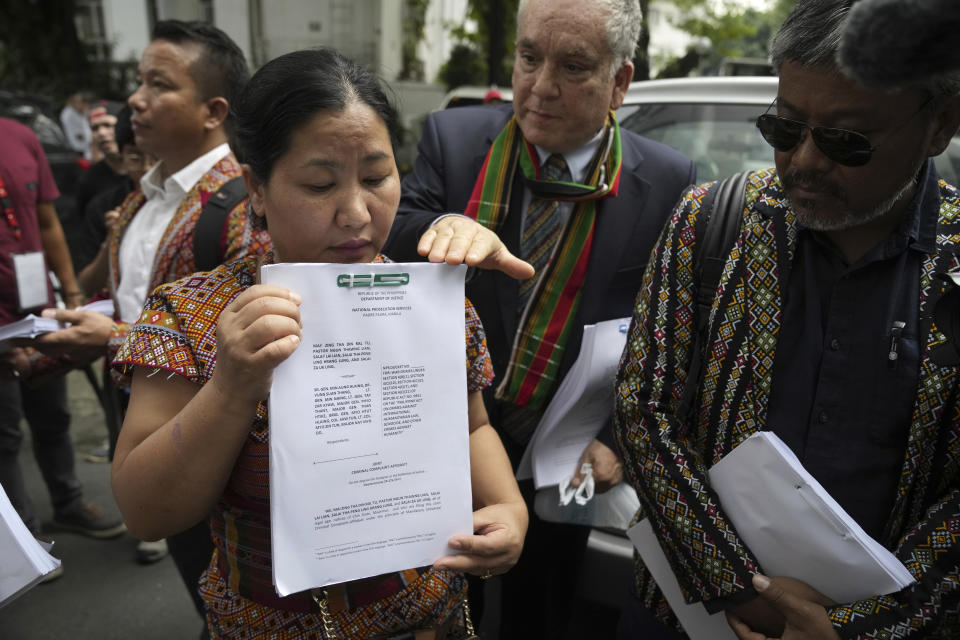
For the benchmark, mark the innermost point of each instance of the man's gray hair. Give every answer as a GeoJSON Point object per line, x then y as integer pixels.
{"type": "Point", "coordinates": [623, 27]}
{"type": "Point", "coordinates": [810, 37]}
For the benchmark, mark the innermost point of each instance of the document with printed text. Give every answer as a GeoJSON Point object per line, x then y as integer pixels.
{"type": "Point", "coordinates": [369, 442]}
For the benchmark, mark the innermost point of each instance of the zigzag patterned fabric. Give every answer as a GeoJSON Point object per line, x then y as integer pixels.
{"type": "Point", "coordinates": [667, 458]}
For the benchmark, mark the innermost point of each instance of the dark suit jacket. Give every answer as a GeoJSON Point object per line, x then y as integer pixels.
{"type": "Point", "coordinates": [451, 153]}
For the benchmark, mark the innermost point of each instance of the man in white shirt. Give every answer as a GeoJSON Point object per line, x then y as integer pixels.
{"type": "Point", "coordinates": [189, 74]}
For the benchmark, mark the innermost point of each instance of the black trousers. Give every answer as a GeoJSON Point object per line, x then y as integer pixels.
{"type": "Point", "coordinates": [538, 593]}
{"type": "Point", "coordinates": [191, 551]}
{"type": "Point", "coordinates": [45, 409]}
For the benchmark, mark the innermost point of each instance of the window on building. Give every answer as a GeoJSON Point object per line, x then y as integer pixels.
{"type": "Point", "coordinates": [91, 28]}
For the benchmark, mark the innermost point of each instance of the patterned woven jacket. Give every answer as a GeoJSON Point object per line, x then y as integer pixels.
{"type": "Point", "coordinates": [666, 458]}
{"type": "Point", "coordinates": [174, 258]}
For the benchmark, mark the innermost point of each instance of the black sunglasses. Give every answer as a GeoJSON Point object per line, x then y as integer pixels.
{"type": "Point", "coordinates": [843, 146]}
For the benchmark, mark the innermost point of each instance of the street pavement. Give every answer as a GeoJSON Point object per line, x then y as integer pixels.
{"type": "Point", "coordinates": [104, 593]}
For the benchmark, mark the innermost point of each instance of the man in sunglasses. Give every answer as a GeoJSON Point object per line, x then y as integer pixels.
{"type": "Point", "coordinates": [822, 331]}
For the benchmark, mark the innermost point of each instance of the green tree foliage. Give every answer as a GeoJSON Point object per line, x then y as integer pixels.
{"type": "Point", "coordinates": [496, 22]}
{"type": "Point", "coordinates": [731, 29]}
{"type": "Point", "coordinates": [465, 66]}
{"type": "Point", "coordinates": [414, 19]}
{"type": "Point", "coordinates": [39, 48]}
{"type": "Point", "coordinates": [41, 53]}
{"type": "Point", "coordinates": [641, 58]}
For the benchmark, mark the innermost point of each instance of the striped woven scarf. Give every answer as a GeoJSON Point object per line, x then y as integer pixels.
{"type": "Point", "coordinates": [547, 321]}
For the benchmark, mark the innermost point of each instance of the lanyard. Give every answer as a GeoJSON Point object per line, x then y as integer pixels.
{"type": "Point", "coordinates": [8, 210]}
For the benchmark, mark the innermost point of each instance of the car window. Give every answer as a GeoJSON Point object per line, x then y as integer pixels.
{"type": "Point", "coordinates": [721, 139]}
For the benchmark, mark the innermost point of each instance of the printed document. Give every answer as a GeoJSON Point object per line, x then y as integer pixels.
{"type": "Point", "coordinates": [369, 443]}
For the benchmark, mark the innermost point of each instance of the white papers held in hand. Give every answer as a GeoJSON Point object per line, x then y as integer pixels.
{"type": "Point", "coordinates": [582, 404]}
{"type": "Point", "coordinates": [31, 326]}
{"type": "Point", "coordinates": [369, 442]}
{"type": "Point", "coordinates": [23, 561]}
{"type": "Point", "coordinates": [795, 528]}
{"type": "Point", "coordinates": [790, 524]}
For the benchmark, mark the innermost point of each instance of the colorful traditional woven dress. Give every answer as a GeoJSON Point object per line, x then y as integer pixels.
{"type": "Point", "coordinates": [176, 334]}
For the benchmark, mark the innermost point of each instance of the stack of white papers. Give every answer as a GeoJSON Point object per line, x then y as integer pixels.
{"type": "Point", "coordinates": [581, 405]}
{"type": "Point", "coordinates": [28, 327]}
{"type": "Point", "coordinates": [32, 325]}
{"type": "Point", "coordinates": [790, 524]}
{"type": "Point", "coordinates": [794, 528]}
{"type": "Point", "coordinates": [23, 560]}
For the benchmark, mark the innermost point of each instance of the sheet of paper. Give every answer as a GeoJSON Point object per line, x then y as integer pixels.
{"type": "Point", "coordinates": [580, 407]}
{"type": "Point", "coordinates": [795, 528]}
{"type": "Point", "coordinates": [369, 448]}
{"type": "Point", "coordinates": [698, 624]}
{"type": "Point", "coordinates": [23, 561]}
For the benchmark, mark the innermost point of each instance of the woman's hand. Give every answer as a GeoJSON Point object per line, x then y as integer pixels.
{"type": "Point", "coordinates": [458, 239]}
{"type": "Point", "coordinates": [496, 544]}
{"type": "Point", "coordinates": [256, 332]}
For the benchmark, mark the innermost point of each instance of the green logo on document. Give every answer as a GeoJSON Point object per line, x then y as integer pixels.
{"type": "Point", "coordinates": [372, 280]}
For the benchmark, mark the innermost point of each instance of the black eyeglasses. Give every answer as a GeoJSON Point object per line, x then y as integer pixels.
{"type": "Point", "coordinates": [843, 146]}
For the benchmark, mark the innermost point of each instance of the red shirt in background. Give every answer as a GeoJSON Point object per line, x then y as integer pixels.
{"type": "Point", "coordinates": [28, 181]}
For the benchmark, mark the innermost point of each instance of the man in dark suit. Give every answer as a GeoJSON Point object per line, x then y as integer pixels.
{"type": "Point", "coordinates": [583, 202]}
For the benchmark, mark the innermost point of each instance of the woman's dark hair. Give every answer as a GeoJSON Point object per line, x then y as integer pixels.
{"type": "Point", "coordinates": [288, 91]}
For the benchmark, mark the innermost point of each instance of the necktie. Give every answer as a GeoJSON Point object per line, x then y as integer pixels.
{"type": "Point", "coordinates": [542, 227]}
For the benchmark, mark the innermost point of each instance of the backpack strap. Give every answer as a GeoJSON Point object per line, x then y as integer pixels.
{"type": "Point", "coordinates": [208, 233]}
{"type": "Point", "coordinates": [724, 210]}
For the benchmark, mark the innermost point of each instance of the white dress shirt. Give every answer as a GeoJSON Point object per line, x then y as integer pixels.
{"type": "Point", "coordinates": [577, 161]}
{"type": "Point", "coordinates": [141, 239]}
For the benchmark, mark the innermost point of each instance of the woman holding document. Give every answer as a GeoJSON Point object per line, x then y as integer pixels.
{"type": "Point", "coordinates": [316, 134]}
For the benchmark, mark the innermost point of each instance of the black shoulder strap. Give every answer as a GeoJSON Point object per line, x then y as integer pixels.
{"type": "Point", "coordinates": [720, 233]}
{"type": "Point", "coordinates": [207, 251]}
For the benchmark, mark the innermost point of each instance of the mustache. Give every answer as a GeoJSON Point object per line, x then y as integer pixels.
{"type": "Point", "coordinates": [811, 181]}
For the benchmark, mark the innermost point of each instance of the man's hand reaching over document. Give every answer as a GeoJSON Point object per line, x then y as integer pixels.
{"type": "Point", "coordinates": [457, 239]}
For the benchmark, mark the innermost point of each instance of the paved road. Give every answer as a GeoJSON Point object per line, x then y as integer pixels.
{"type": "Point", "coordinates": [104, 594]}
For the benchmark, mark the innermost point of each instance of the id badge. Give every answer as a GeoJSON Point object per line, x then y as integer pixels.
{"type": "Point", "coordinates": [31, 274]}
